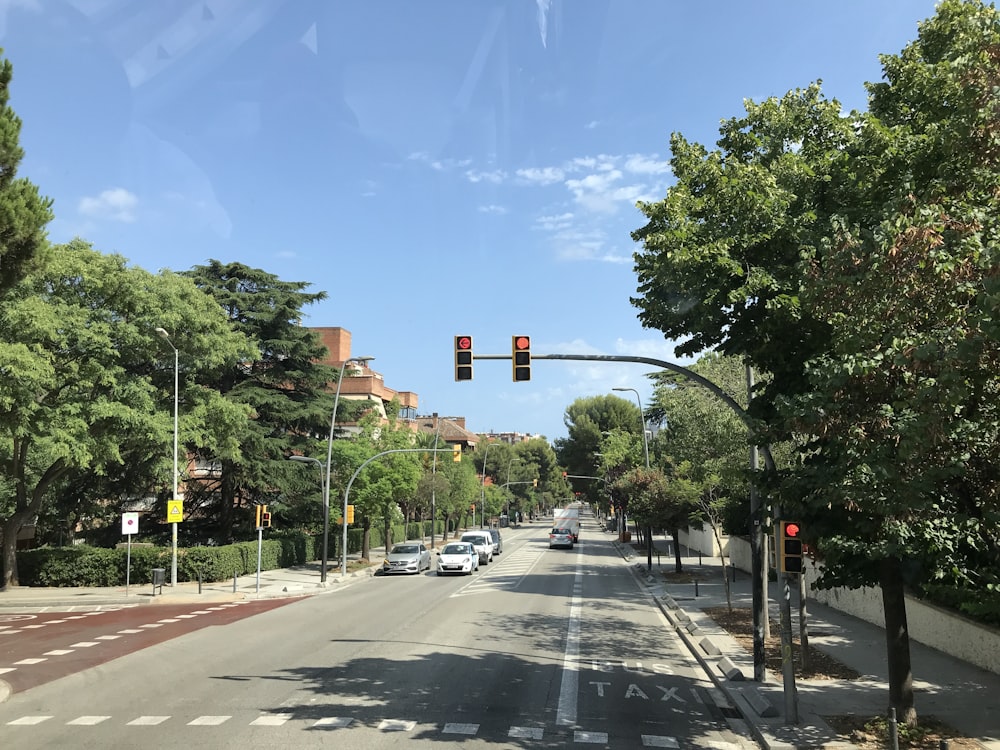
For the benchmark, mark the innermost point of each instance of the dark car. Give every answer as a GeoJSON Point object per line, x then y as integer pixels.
{"type": "Point", "coordinates": [497, 541]}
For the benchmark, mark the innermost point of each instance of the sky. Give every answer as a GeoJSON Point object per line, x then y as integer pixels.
{"type": "Point", "coordinates": [435, 167]}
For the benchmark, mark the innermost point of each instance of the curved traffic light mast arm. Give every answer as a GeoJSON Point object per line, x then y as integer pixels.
{"type": "Point", "coordinates": [680, 370]}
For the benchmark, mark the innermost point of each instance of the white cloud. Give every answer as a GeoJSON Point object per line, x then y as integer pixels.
{"type": "Point", "coordinates": [592, 125]}
{"type": "Point", "coordinates": [495, 177]}
{"type": "Point", "coordinates": [493, 209]}
{"type": "Point", "coordinates": [641, 164]}
{"type": "Point", "coordinates": [116, 204]}
{"type": "Point", "coordinates": [541, 176]}
{"type": "Point", "coordinates": [554, 223]}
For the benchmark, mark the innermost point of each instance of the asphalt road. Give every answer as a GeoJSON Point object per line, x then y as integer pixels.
{"type": "Point", "coordinates": [542, 648]}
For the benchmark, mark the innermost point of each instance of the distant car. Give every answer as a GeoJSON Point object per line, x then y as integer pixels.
{"type": "Point", "coordinates": [561, 538]}
{"type": "Point", "coordinates": [411, 557]}
{"type": "Point", "coordinates": [483, 543]}
{"type": "Point", "coordinates": [497, 541]}
{"type": "Point", "coordinates": [457, 557]}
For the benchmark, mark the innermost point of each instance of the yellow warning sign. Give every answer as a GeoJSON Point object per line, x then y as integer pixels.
{"type": "Point", "coordinates": [175, 511]}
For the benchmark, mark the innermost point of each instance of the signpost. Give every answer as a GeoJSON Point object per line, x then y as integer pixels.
{"type": "Point", "coordinates": [130, 526]}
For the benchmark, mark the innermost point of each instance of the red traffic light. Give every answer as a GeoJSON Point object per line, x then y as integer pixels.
{"type": "Point", "coordinates": [463, 358]}
{"type": "Point", "coordinates": [792, 530]}
{"type": "Point", "coordinates": [522, 342]}
{"type": "Point", "coordinates": [463, 343]}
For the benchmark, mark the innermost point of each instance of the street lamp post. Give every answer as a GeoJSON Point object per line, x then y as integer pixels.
{"type": "Point", "coordinates": [509, 464]}
{"type": "Point", "coordinates": [642, 416]}
{"type": "Point", "coordinates": [482, 491]}
{"type": "Point", "coordinates": [325, 477]}
{"type": "Point", "coordinates": [363, 361]}
{"type": "Point", "coordinates": [162, 333]}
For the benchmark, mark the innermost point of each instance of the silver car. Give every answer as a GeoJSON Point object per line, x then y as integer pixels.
{"type": "Point", "coordinates": [409, 557]}
{"type": "Point", "coordinates": [561, 538]}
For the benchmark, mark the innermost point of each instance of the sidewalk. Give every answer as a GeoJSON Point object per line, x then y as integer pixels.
{"type": "Point", "coordinates": [303, 580]}
{"type": "Point", "coordinates": [955, 692]}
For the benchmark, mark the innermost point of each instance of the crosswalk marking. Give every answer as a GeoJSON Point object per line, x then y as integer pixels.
{"type": "Point", "coordinates": [209, 721]}
{"type": "Point", "coordinates": [396, 725]}
{"type": "Point", "coordinates": [147, 721]}
{"type": "Point", "coordinates": [27, 721]}
{"type": "Point", "coordinates": [270, 720]}
{"type": "Point", "coordinates": [652, 740]}
{"type": "Point", "coordinates": [338, 722]}
{"type": "Point", "coordinates": [58, 652]}
{"type": "Point", "coordinates": [525, 733]}
{"type": "Point", "coordinates": [454, 728]}
{"type": "Point", "coordinates": [87, 721]}
{"type": "Point", "coordinates": [594, 738]}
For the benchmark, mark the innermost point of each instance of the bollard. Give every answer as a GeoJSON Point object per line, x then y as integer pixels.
{"type": "Point", "coordinates": [733, 568]}
{"type": "Point", "coordinates": [699, 557]}
{"type": "Point", "coordinates": [199, 581]}
{"type": "Point", "coordinates": [893, 730]}
{"type": "Point", "coordinates": [234, 581]}
{"type": "Point", "coordinates": [696, 587]}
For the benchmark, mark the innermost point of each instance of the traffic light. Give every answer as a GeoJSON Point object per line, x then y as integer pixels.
{"type": "Point", "coordinates": [350, 514]}
{"type": "Point", "coordinates": [790, 546]}
{"type": "Point", "coordinates": [463, 358]}
{"type": "Point", "coordinates": [456, 453]}
{"type": "Point", "coordinates": [261, 511]}
{"type": "Point", "coordinates": [534, 482]}
{"type": "Point", "coordinates": [520, 356]}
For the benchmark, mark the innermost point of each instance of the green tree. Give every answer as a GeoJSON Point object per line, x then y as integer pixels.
{"type": "Point", "coordinates": [586, 420]}
{"type": "Point", "coordinates": [286, 388]}
{"type": "Point", "coordinates": [87, 386]}
{"type": "Point", "coordinates": [24, 213]}
{"type": "Point", "coordinates": [801, 203]}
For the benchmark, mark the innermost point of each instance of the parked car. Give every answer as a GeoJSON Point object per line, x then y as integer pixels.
{"type": "Point", "coordinates": [457, 557]}
{"type": "Point", "coordinates": [497, 541]}
{"type": "Point", "coordinates": [483, 543]}
{"type": "Point", "coordinates": [410, 557]}
{"type": "Point", "coordinates": [561, 538]}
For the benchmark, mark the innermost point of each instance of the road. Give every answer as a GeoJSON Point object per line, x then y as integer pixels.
{"type": "Point", "coordinates": [542, 648]}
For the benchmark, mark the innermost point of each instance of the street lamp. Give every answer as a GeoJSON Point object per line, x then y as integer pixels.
{"type": "Point", "coordinates": [162, 333]}
{"type": "Point", "coordinates": [363, 361]}
{"type": "Point", "coordinates": [482, 491]}
{"type": "Point", "coordinates": [325, 476]}
{"type": "Point", "coordinates": [507, 485]}
{"type": "Point", "coordinates": [642, 416]}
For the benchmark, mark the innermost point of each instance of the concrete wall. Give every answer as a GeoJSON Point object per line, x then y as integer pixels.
{"type": "Point", "coordinates": [928, 624]}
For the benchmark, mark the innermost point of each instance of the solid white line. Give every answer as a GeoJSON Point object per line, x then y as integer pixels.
{"type": "Point", "coordinates": [569, 690]}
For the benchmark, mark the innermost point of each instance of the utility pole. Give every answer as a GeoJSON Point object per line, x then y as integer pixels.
{"type": "Point", "coordinates": [758, 572]}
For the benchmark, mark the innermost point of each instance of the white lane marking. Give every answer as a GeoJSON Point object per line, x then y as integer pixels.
{"type": "Point", "coordinates": [569, 689]}
{"type": "Point", "coordinates": [152, 625]}
{"type": "Point", "coordinates": [594, 738]}
{"type": "Point", "coordinates": [9, 632]}
{"type": "Point", "coordinates": [5, 670]}
{"type": "Point", "coordinates": [209, 721]}
{"type": "Point", "coordinates": [169, 619]}
{"type": "Point", "coordinates": [129, 631]}
{"type": "Point", "coordinates": [55, 622]}
{"type": "Point", "coordinates": [455, 728]}
{"type": "Point", "coordinates": [87, 721]}
{"type": "Point", "coordinates": [396, 725]}
{"type": "Point", "coordinates": [653, 740]}
{"type": "Point", "coordinates": [270, 720]}
{"type": "Point", "coordinates": [526, 733]}
{"type": "Point", "coordinates": [201, 612]}
{"type": "Point", "coordinates": [59, 652]}
{"type": "Point", "coordinates": [185, 617]}
{"type": "Point", "coordinates": [84, 644]}
{"type": "Point", "coordinates": [30, 661]}
{"type": "Point", "coordinates": [32, 627]}
{"type": "Point", "coordinates": [27, 721]}
{"type": "Point", "coordinates": [147, 721]}
{"type": "Point", "coordinates": [338, 722]}
{"type": "Point", "coordinates": [107, 638]}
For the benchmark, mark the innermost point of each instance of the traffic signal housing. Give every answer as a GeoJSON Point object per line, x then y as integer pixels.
{"type": "Point", "coordinates": [456, 453]}
{"type": "Point", "coordinates": [790, 546]}
{"type": "Point", "coordinates": [520, 355]}
{"type": "Point", "coordinates": [350, 514]}
{"type": "Point", "coordinates": [463, 358]}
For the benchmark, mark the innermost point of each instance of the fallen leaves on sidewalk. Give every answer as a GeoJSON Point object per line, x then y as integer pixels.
{"type": "Point", "coordinates": [738, 622]}
{"type": "Point", "coordinates": [873, 733]}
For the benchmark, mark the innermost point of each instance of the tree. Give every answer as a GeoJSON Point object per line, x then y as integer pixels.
{"type": "Point", "coordinates": [87, 387]}
{"type": "Point", "coordinates": [586, 419]}
{"type": "Point", "coordinates": [24, 214]}
{"type": "Point", "coordinates": [852, 256]}
{"type": "Point", "coordinates": [286, 387]}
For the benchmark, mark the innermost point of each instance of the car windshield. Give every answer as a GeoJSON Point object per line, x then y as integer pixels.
{"type": "Point", "coordinates": [455, 549]}
{"type": "Point", "coordinates": [405, 549]}
{"type": "Point", "coordinates": [563, 532]}
{"type": "Point", "coordinates": [473, 539]}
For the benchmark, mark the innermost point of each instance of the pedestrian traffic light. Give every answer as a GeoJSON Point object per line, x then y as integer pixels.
{"type": "Point", "coordinates": [265, 518]}
{"type": "Point", "coordinates": [350, 514]}
{"type": "Point", "coordinates": [261, 511]}
{"type": "Point", "coordinates": [456, 453]}
{"type": "Point", "coordinates": [463, 358]}
{"type": "Point", "coordinates": [520, 356]}
{"type": "Point", "coordinates": [790, 546]}
{"type": "Point", "coordinates": [534, 482]}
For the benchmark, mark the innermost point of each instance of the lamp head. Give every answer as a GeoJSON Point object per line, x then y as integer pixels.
{"type": "Point", "coordinates": [162, 332]}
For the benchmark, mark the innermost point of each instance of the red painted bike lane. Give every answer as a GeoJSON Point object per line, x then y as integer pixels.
{"type": "Point", "coordinates": [39, 648]}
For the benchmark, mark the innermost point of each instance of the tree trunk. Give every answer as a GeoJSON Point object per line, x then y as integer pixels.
{"type": "Point", "coordinates": [227, 501]}
{"type": "Point", "coordinates": [649, 548]}
{"type": "Point", "coordinates": [676, 536]}
{"type": "Point", "coordinates": [897, 640]}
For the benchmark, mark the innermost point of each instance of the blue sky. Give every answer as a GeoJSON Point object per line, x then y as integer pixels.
{"type": "Point", "coordinates": [439, 167]}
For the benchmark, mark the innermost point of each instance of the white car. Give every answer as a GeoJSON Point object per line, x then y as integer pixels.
{"type": "Point", "coordinates": [457, 557]}
{"type": "Point", "coordinates": [409, 557]}
{"type": "Point", "coordinates": [483, 543]}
